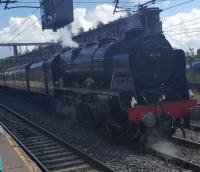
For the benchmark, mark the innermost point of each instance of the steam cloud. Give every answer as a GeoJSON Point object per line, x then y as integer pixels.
{"type": "Point", "coordinates": [86, 19]}
{"type": "Point", "coordinates": [164, 147]}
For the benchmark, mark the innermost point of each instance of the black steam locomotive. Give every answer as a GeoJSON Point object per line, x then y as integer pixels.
{"type": "Point", "coordinates": [129, 85]}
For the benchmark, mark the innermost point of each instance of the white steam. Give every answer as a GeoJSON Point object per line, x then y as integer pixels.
{"type": "Point", "coordinates": [165, 147]}
{"type": "Point", "coordinates": [15, 33]}
{"type": "Point", "coordinates": [66, 38]}
{"type": "Point", "coordinates": [85, 19]}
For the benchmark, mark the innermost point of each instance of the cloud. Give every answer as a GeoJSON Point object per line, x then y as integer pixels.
{"type": "Point", "coordinates": [139, 1]}
{"type": "Point", "coordinates": [182, 29]}
{"type": "Point", "coordinates": [179, 32]}
{"type": "Point", "coordinates": [80, 20]}
{"type": "Point", "coordinates": [88, 19]}
{"type": "Point", "coordinates": [83, 18]}
{"type": "Point", "coordinates": [14, 33]}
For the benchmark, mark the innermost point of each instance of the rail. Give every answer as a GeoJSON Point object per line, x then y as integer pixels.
{"type": "Point", "coordinates": [47, 150]}
{"type": "Point", "coordinates": [173, 159]}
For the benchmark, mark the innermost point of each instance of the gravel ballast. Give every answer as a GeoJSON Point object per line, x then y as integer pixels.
{"type": "Point", "coordinates": [118, 156]}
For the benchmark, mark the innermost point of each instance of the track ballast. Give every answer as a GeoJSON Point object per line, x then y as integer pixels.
{"type": "Point", "coordinates": [48, 151]}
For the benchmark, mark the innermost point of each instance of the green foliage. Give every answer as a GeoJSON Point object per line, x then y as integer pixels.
{"type": "Point", "coordinates": [99, 24]}
{"type": "Point", "coordinates": [191, 57]}
{"type": "Point", "coordinates": [81, 30]}
{"type": "Point", "coordinates": [192, 77]}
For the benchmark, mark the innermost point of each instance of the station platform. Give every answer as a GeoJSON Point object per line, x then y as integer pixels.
{"type": "Point", "coordinates": [13, 158]}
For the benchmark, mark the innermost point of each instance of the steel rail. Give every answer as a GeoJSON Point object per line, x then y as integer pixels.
{"type": "Point", "coordinates": [33, 158]}
{"type": "Point", "coordinates": [186, 142]}
{"type": "Point", "coordinates": [94, 163]}
{"type": "Point", "coordinates": [195, 127]}
{"type": "Point", "coordinates": [174, 159]}
{"type": "Point", "coordinates": [165, 156]}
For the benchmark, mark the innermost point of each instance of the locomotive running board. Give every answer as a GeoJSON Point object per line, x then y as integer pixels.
{"type": "Point", "coordinates": [87, 91]}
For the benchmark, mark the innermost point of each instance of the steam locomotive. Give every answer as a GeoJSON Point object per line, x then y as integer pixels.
{"type": "Point", "coordinates": [130, 85]}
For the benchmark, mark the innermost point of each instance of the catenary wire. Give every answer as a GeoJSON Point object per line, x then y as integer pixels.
{"type": "Point", "coordinates": [90, 2]}
{"type": "Point", "coordinates": [21, 24]}
{"type": "Point", "coordinates": [33, 23]}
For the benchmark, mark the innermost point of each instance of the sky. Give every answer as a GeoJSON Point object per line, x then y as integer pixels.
{"type": "Point", "coordinates": [181, 24]}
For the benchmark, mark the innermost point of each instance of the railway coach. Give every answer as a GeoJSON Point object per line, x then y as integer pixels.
{"type": "Point", "coordinates": [15, 78]}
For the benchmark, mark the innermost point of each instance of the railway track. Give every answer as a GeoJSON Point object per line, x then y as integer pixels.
{"type": "Point", "coordinates": [48, 151]}
{"type": "Point", "coordinates": [186, 142]}
{"type": "Point", "coordinates": [195, 127]}
{"type": "Point", "coordinates": [53, 154]}
{"type": "Point", "coordinates": [173, 158]}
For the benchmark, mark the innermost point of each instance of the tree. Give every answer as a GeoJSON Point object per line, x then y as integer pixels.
{"type": "Point", "coordinates": [191, 51]}
{"type": "Point", "coordinates": [191, 57]}
{"type": "Point", "coordinates": [99, 24]}
{"type": "Point", "coordinates": [80, 30]}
